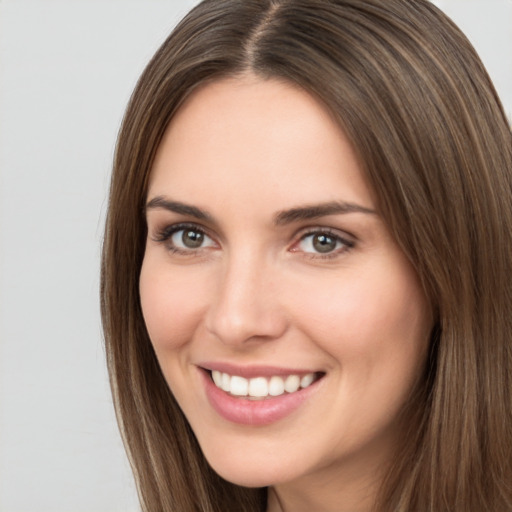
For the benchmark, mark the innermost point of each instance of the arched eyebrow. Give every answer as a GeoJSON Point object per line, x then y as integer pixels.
{"type": "Point", "coordinates": [178, 207]}
{"type": "Point", "coordinates": [315, 211]}
{"type": "Point", "coordinates": [296, 214]}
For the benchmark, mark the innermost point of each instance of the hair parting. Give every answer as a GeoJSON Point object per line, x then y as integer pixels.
{"type": "Point", "coordinates": [431, 135]}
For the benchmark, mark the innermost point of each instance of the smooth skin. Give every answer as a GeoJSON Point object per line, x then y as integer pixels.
{"type": "Point", "coordinates": [256, 277]}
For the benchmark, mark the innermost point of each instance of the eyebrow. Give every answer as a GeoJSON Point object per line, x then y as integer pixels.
{"type": "Point", "coordinates": [178, 207]}
{"type": "Point", "coordinates": [316, 211]}
{"type": "Point", "coordinates": [281, 218]}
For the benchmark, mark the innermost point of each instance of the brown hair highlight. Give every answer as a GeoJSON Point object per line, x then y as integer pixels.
{"type": "Point", "coordinates": [414, 99]}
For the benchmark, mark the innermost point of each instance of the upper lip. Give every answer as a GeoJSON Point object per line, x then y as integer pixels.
{"type": "Point", "coordinates": [252, 371]}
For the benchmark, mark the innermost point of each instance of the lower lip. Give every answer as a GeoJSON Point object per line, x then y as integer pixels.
{"type": "Point", "coordinates": [254, 412]}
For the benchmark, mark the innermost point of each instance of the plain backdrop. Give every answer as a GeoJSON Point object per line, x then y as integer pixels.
{"type": "Point", "coordinates": [67, 68]}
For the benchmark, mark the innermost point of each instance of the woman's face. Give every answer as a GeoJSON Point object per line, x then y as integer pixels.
{"type": "Point", "coordinates": [269, 270]}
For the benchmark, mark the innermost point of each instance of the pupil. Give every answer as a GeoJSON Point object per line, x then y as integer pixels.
{"type": "Point", "coordinates": [192, 239]}
{"type": "Point", "coordinates": [324, 243]}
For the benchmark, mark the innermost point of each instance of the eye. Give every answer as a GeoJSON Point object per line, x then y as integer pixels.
{"type": "Point", "coordinates": [323, 243]}
{"type": "Point", "coordinates": [184, 239]}
{"type": "Point", "coordinates": [190, 238]}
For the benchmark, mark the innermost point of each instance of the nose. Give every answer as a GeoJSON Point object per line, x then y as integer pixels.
{"type": "Point", "coordinates": [245, 307]}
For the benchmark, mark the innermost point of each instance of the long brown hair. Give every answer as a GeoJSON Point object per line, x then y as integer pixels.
{"type": "Point", "coordinates": [414, 99]}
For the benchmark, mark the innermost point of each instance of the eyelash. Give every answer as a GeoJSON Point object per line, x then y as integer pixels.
{"type": "Point", "coordinates": [346, 244]}
{"type": "Point", "coordinates": [164, 236]}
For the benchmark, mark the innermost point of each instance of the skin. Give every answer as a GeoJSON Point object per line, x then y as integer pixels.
{"type": "Point", "coordinates": [259, 293]}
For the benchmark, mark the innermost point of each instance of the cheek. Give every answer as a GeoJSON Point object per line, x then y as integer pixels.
{"type": "Point", "coordinates": [374, 320]}
{"type": "Point", "coordinates": [375, 328]}
{"type": "Point", "coordinates": [170, 305]}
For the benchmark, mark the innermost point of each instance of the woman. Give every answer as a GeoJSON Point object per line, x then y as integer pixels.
{"type": "Point", "coordinates": [306, 295]}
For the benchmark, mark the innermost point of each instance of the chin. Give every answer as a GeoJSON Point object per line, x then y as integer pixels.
{"type": "Point", "coordinates": [251, 473]}
{"type": "Point", "coordinates": [247, 479]}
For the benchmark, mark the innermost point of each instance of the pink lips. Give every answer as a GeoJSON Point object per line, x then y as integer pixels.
{"type": "Point", "coordinates": [253, 412]}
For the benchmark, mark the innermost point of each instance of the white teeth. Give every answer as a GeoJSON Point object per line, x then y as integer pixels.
{"type": "Point", "coordinates": [307, 380]}
{"type": "Point", "coordinates": [261, 387]}
{"type": "Point", "coordinates": [226, 382]}
{"type": "Point", "coordinates": [217, 378]}
{"type": "Point", "coordinates": [275, 386]}
{"type": "Point", "coordinates": [292, 383]}
{"type": "Point", "coordinates": [258, 387]}
{"type": "Point", "coordinates": [239, 386]}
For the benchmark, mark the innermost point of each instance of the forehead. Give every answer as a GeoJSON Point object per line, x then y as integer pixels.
{"type": "Point", "coordinates": [249, 136]}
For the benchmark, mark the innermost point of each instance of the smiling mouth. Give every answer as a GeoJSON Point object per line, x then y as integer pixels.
{"type": "Point", "coordinates": [260, 388]}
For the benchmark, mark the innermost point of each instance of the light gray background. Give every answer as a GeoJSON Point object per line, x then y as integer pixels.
{"type": "Point", "coordinates": [67, 69]}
